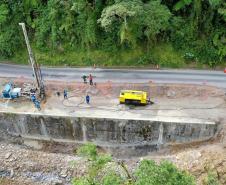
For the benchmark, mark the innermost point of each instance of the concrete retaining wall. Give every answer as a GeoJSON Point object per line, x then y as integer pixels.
{"type": "Point", "coordinates": [122, 137]}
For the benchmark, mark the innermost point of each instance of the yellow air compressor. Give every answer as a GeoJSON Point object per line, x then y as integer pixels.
{"type": "Point", "coordinates": [133, 97]}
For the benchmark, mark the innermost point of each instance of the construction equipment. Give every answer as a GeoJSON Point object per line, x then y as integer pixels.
{"type": "Point", "coordinates": [15, 93]}
{"type": "Point", "coordinates": [36, 69]}
{"type": "Point", "coordinates": [35, 101]}
{"type": "Point", "coordinates": [6, 91]}
{"type": "Point", "coordinates": [10, 92]}
{"type": "Point", "coordinates": [28, 89]}
{"type": "Point", "coordinates": [133, 97]}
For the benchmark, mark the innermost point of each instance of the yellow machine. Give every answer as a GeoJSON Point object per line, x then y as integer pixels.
{"type": "Point", "coordinates": [133, 97]}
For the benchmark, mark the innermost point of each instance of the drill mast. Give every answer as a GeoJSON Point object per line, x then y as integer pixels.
{"type": "Point", "coordinates": [36, 68]}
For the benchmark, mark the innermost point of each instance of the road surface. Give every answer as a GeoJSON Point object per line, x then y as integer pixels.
{"type": "Point", "coordinates": [215, 78]}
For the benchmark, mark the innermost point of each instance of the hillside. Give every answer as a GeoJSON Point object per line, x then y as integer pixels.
{"type": "Point", "coordinates": [182, 33]}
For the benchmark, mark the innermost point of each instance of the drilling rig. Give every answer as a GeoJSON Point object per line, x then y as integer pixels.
{"type": "Point", "coordinates": [36, 68]}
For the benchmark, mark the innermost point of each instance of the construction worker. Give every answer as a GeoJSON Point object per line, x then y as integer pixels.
{"type": "Point", "coordinates": [37, 104]}
{"type": "Point", "coordinates": [84, 79]}
{"type": "Point", "coordinates": [90, 79]}
{"type": "Point", "coordinates": [33, 97]}
{"type": "Point", "coordinates": [65, 94]}
{"type": "Point", "coordinates": [87, 99]}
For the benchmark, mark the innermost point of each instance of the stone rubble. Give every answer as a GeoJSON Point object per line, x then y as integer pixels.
{"type": "Point", "coordinates": [41, 168]}
{"type": "Point", "coordinates": [20, 166]}
{"type": "Point", "coordinates": [7, 155]}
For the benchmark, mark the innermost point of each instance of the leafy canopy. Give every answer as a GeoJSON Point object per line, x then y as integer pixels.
{"type": "Point", "coordinates": [109, 27]}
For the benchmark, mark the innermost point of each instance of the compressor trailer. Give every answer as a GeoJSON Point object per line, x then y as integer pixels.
{"type": "Point", "coordinates": [134, 97]}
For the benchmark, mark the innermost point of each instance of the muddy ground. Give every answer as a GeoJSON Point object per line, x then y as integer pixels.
{"type": "Point", "coordinates": [171, 101]}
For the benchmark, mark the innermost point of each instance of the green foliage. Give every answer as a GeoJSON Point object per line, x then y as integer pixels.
{"type": "Point", "coordinates": [147, 173]}
{"type": "Point", "coordinates": [95, 165]}
{"type": "Point", "coordinates": [3, 13]}
{"type": "Point", "coordinates": [79, 32]}
{"type": "Point", "coordinates": [215, 3]}
{"type": "Point", "coordinates": [219, 42]}
{"type": "Point", "coordinates": [118, 12]}
{"type": "Point", "coordinates": [135, 18]}
{"type": "Point", "coordinates": [120, 17]}
{"type": "Point", "coordinates": [88, 150]}
{"type": "Point", "coordinates": [146, 60]}
{"type": "Point", "coordinates": [182, 4]}
{"type": "Point", "coordinates": [111, 178]}
{"type": "Point", "coordinates": [156, 19]}
{"type": "Point", "coordinates": [81, 181]}
{"type": "Point", "coordinates": [10, 40]}
{"type": "Point", "coordinates": [169, 58]}
{"type": "Point", "coordinates": [189, 56]}
{"type": "Point", "coordinates": [211, 179]}
{"type": "Point", "coordinates": [222, 11]}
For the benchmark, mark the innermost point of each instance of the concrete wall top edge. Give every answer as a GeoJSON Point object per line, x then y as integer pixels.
{"type": "Point", "coordinates": [181, 120]}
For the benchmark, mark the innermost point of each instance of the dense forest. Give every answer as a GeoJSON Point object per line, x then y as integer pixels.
{"type": "Point", "coordinates": [171, 33]}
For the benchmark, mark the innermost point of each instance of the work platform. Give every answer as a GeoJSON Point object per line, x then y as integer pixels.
{"type": "Point", "coordinates": [176, 117]}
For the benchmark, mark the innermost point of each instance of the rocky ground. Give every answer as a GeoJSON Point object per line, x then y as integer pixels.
{"type": "Point", "coordinates": [23, 166]}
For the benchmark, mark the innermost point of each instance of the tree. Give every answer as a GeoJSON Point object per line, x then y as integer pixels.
{"type": "Point", "coordinates": [155, 19]}
{"type": "Point", "coordinates": [121, 14]}
{"type": "Point", "coordinates": [134, 17]}
{"type": "Point", "coordinates": [182, 4]}
{"type": "Point", "coordinates": [10, 15]}
{"type": "Point", "coordinates": [111, 27]}
{"type": "Point", "coordinates": [222, 11]}
{"type": "Point", "coordinates": [3, 13]}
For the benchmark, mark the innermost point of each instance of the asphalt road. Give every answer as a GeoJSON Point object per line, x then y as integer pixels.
{"type": "Point", "coordinates": [215, 78]}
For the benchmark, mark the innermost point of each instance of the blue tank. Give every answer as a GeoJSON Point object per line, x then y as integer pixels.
{"type": "Point", "coordinates": [6, 91]}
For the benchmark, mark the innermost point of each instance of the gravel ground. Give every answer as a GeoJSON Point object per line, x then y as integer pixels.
{"type": "Point", "coordinates": [25, 166]}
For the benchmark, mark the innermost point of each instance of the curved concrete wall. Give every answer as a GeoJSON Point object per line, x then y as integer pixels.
{"type": "Point", "coordinates": [122, 137]}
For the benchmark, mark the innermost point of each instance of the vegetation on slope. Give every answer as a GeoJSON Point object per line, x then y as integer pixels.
{"type": "Point", "coordinates": [103, 170]}
{"type": "Point", "coordinates": [116, 32]}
